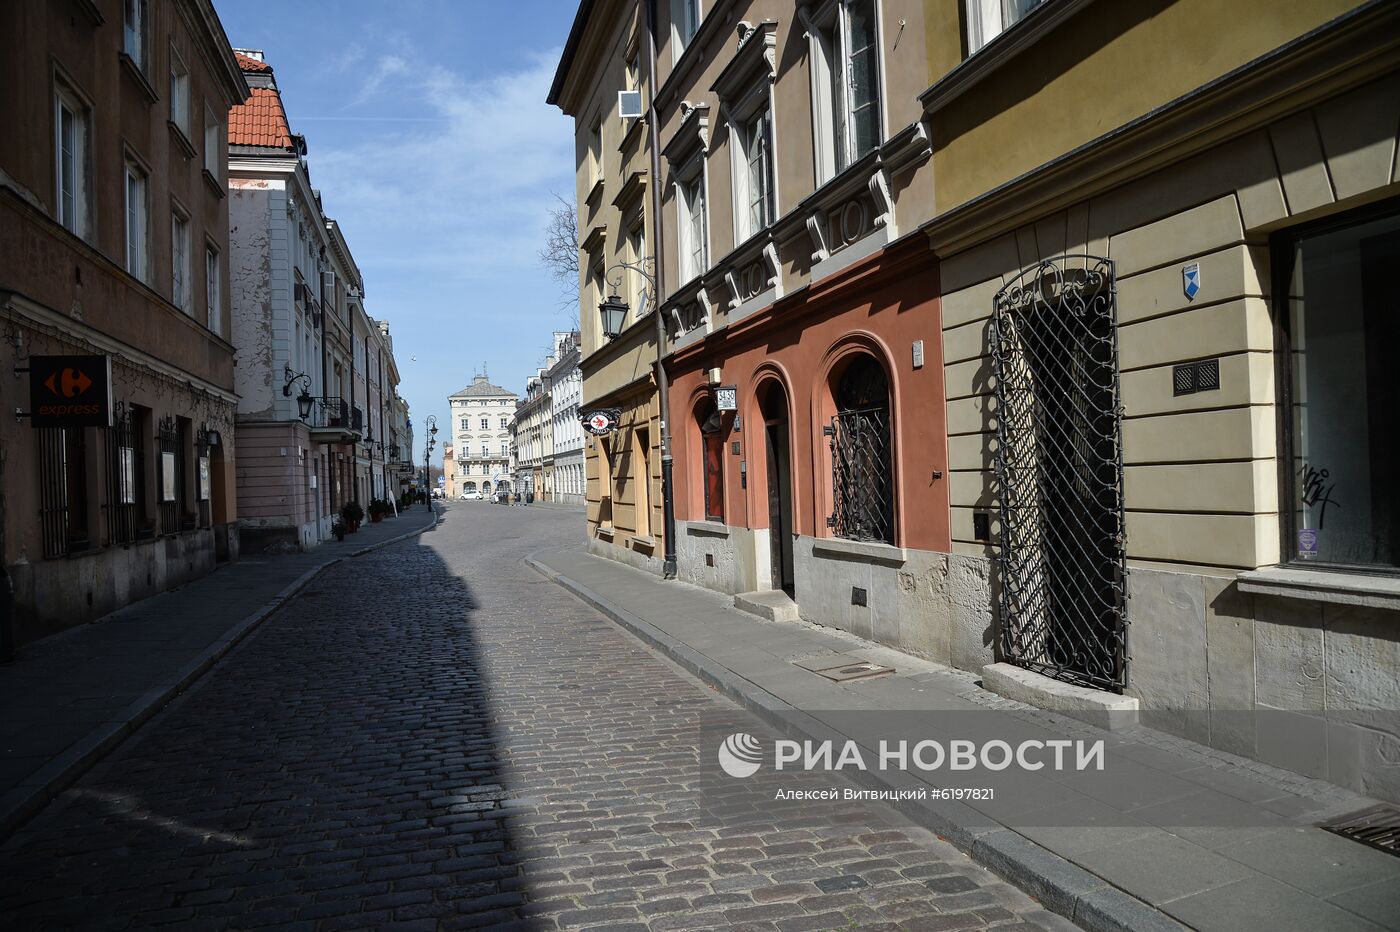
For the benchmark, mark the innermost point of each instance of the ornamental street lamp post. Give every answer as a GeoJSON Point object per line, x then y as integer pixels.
{"type": "Point", "coordinates": [429, 422]}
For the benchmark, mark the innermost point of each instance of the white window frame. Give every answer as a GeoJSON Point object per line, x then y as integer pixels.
{"type": "Point", "coordinates": [693, 222]}
{"type": "Point", "coordinates": [213, 289]}
{"type": "Point", "coordinates": [987, 19]}
{"type": "Point", "coordinates": [683, 28]}
{"type": "Point", "coordinates": [134, 31]}
{"type": "Point", "coordinates": [136, 187]}
{"type": "Point", "coordinates": [829, 34]}
{"type": "Point", "coordinates": [181, 294]}
{"type": "Point", "coordinates": [179, 92]}
{"type": "Point", "coordinates": [212, 148]}
{"type": "Point", "coordinates": [74, 217]}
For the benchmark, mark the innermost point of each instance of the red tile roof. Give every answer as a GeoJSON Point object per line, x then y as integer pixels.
{"type": "Point", "coordinates": [260, 121]}
{"type": "Point", "coordinates": [248, 63]}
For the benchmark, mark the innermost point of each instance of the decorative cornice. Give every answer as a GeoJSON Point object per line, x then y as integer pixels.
{"type": "Point", "coordinates": [595, 239]}
{"type": "Point", "coordinates": [754, 60]}
{"type": "Point", "coordinates": [693, 133]}
{"type": "Point", "coordinates": [631, 190]}
{"type": "Point", "coordinates": [1351, 50]}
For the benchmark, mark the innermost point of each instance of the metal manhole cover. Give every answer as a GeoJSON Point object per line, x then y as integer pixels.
{"type": "Point", "coordinates": [854, 671]}
{"type": "Point", "coordinates": [1378, 826]}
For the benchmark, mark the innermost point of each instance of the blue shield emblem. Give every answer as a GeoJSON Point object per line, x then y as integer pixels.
{"type": "Point", "coordinates": [1191, 280]}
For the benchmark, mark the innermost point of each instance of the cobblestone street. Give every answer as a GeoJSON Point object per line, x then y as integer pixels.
{"type": "Point", "coordinates": [434, 736]}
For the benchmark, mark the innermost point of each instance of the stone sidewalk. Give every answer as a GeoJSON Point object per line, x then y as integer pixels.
{"type": "Point", "coordinates": [1169, 832]}
{"type": "Point", "coordinates": [70, 698]}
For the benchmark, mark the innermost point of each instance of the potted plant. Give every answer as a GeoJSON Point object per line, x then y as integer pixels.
{"type": "Point", "coordinates": [338, 529]}
{"type": "Point", "coordinates": [378, 508]}
{"type": "Point", "coordinates": [352, 514]}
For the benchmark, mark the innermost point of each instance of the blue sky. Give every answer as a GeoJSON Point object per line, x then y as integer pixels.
{"type": "Point", "coordinates": [429, 138]}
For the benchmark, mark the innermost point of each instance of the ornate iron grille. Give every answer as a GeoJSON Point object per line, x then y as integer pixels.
{"type": "Point", "coordinates": [120, 506]}
{"type": "Point", "coordinates": [1059, 468]}
{"type": "Point", "coordinates": [53, 490]}
{"type": "Point", "coordinates": [168, 476]}
{"type": "Point", "coordinates": [862, 481]}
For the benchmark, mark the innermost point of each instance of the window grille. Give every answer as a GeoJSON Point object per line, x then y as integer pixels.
{"type": "Point", "coordinates": [169, 476]}
{"type": "Point", "coordinates": [53, 490]}
{"type": "Point", "coordinates": [861, 463]}
{"type": "Point", "coordinates": [121, 478]}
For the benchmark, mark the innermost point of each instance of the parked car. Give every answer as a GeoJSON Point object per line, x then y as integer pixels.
{"type": "Point", "coordinates": [469, 497]}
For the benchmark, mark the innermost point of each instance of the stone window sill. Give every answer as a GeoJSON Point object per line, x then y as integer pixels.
{"type": "Point", "coordinates": [642, 540]}
{"type": "Point", "coordinates": [707, 529]}
{"type": "Point", "coordinates": [844, 549]}
{"type": "Point", "coordinates": [134, 70]}
{"type": "Point", "coordinates": [1338, 588]}
{"type": "Point", "coordinates": [605, 532]}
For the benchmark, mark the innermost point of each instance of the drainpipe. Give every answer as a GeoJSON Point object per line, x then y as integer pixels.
{"type": "Point", "coordinates": [668, 505]}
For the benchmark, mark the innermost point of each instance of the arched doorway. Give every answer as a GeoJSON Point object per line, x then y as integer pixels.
{"type": "Point", "coordinates": [773, 406]}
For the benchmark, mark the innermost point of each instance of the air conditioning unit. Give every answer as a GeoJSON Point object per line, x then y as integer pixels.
{"type": "Point", "coordinates": [629, 104]}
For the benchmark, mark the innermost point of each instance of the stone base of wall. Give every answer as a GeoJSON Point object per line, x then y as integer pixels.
{"type": "Point", "coordinates": [718, 556]}
{"type": "Point", "coordinates": [1308, 686]}
{"type": "Point", "coordinates": [53, 595]}
{"type": "Point", "coordinates": [936, 606]}
{"type": "Point", "coordinates": [642, 561]}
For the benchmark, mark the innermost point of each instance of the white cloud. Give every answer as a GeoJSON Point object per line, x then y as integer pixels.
{"type": "Point", "coordinates": [464, 196]}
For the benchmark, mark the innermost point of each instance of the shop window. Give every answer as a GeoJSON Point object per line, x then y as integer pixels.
{"type": "Point", "coordinates": [1341, 443]}
{"type": "Point", "coordinates": [861, 453]}
{"type": "Point", "coordinates": [122, 478]}
{"type": "Point", "coordinates": [711, 423]}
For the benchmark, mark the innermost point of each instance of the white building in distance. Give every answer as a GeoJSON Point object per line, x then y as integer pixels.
{"type": "Point", "coordinates": [481, 420]}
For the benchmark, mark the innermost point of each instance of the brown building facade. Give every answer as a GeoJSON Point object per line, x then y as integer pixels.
{"type": "Point", "coordinates": [114, 243]}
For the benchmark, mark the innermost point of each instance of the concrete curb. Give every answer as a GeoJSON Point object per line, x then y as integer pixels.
{"type": "Point", "coordinates": [1063, 887]}
{"type": "Point", "coordinates": [24, 802]}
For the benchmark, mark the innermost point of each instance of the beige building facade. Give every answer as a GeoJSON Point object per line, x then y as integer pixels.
{"type": "Point", "coordinates": [481, 418]}
{"type": "Point", "coordinates": [607, 52]}
{"type": "Point", "coordinates": [1230, 211]}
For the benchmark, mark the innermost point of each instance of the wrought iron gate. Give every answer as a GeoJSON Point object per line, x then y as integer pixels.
{"type": "Point", "coordinates": [1059, 468]}
{"type": "Point", "coordinates": [860, 463]}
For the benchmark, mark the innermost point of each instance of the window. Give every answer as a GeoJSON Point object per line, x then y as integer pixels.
{"type": "Point", "coordinates": [693, 231]}
{"type": "Point", "coordinates": [213, 289]}
{"type": "Point", "coordinates": [180, 262]}
{"type": "Point", "coordinates": [1341, 503]}
{"type": "Point", "coordinates": [179, 93]}
{"type": "Point", "coordinates": [70, 162]}
{"type": "Point", "coordinates": [711, 424]}
{"type": "Point", "coordinates": [465, 424]}
{"type": "Point", "coordinates": [846, 86]}
{"type": "Point", "coordinates": [486, 423]}
{"type": "Point", "coordinates": [861, 473]}
{"type": "Point", "coordinates": [505, 449]}
{"type": "Point", "coordinates": [987, 19]}
{"type": "Point", "coordinates": [505, 422]}
{"type": "Point", "coordinates": [213, 143]}
{"type": "Point", "coordinates": [636, 255]}
{"type": "Point", "coordinates": [605, 480]}
{"type": "Point", "coordinates": [136, 225]}
{"type": "Point", "coordinates": [634, 70]}
{"type": "Point", "coordinates": [595, 152]}
{"type": "Point", "coordinates": [134, 30]}
{"type": "Point", "coordinates": [754, 187]}
{"type": "Point", "coordinates": [642, 444]}
{"type": "Point", "coordinates": [485, 449]}
{"type": "Point", "coordinates": [685, 22]}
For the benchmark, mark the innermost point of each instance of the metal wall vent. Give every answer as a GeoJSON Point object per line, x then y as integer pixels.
{"type": "Point", "coordinates": [1378, 826]}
